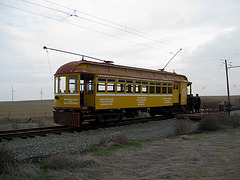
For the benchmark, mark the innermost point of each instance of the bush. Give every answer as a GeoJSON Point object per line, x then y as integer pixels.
{"type": "Point", "coordinates": [182, 127]}
{"type": "Point", "coordinates": [113, 140]}
{"type": "Point", "coordinates": [64, 161]}
{"type": "Point", "coordinates": [222, 121]}
{"type": "Point", "coordinates": [230, 121]}
{"type": "Point", "coordinates": [7, 159]}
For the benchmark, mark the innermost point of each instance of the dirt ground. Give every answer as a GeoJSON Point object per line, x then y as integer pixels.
{"type": "Point", "coordinates": [200, 156]}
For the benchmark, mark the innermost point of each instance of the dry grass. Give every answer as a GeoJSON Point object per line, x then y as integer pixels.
{"type": "Point", "coordinates": [182, 127]}
{"type": "Point", "coordinates": [222, 121]}
{"type": "Point", "coordinates": [26, 114]}
{"type": "Point", "coordinates": [66, 161]}
{"type": "Point", "coordinates": [26, 109]}
{"type": "Point", "coordinates": [114, 139]}
{"type": "Point", "coordinates": [204, 156]}
{"type": "Point", "coordinates": [201, 156]}
{"type": "Point", "coordinates": [235, 100]}
{"type": "Point", "coordinates": [11, 169]}
{"type": "Point", "coordinates": [7, 159]}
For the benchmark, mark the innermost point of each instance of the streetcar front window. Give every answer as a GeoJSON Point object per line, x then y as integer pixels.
{"type": "Point", "coordinates": [56, 85]}
{"type": "Point", "coordinates": [62, 84]}
{"type": "Point", "coordinates": [73, 84]}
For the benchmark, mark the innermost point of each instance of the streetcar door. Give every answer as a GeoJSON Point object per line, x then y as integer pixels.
{"type": "Point", "coordinates": [89, 91]}
{"type": "Point", "coordinates": [176, 99]}
{"type": "Point", "coordinates": [82, 90]}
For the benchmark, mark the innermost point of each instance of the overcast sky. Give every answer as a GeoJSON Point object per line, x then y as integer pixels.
{"type": "Point", "coordinates": [139, 33]}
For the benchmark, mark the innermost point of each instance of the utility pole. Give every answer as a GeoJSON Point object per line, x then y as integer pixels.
{"type": "Point", "coordinates": [227, 80]}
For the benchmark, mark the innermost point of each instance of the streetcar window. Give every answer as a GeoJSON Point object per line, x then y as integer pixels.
{"type": "Point", "coordinates": [121, 81]}
{"type": "Point", "coordinates": [93, 67]}
{"type": "Point", "coordinates": [128, 81]}
{"type": "Point", "coordinates": [73, 84]}
{"type": "Point", "coordinates": [165, 84]}
{"type": "Point", "coordinates": [110, 80]}
{"type": "Point", "coordinates": [176, 86]}
{"type": "Point", "coordinates": [138, 72]}
{"type": "Point", "coordinates": [110, 87]}
{"type": "Point", "coordinates": [89, 86]}
{"type": "Point", "coordinates": [113, 69]}
{"type": "Point", "coordinates": [144, 82]}
{"type": "Point", "coordinates": [129, 88]}
{"type": "Point", "coordinates": [144, 89]}
{"type": "Point", "coordinates": [56, 85]}
{"type": "Point", "coordinates": [170, 90]}
{"type": "Point", "coordinates": [122, 70]}
{"type": "Point", "coordinates": [158, 89]}
{"type": "Point", "coordinates": [120, 87]}
{"type": "Point", "coordinates": [138, 82]}
{"type": "Point", "coordinates": [81, 86]}
{"type": "Point", "coordinates": [152, 83]}
{"type": "Point", "coordinates": [101, 87]}
{"type": "Point", "coordinates": [130, 71]}
{"type": "Point", "coordinates": [152, 89]}
{"type": "Point", "coordinates": [102, 79]}
{"type": "Point", "coordinates": [137, 89]}
{"type": "Point", "coordinates": [103, 68]}
{"type": "Point", "coordinates": [62, 84]}
{"type": "Point", "coordinates": [151, 74]}
{"type": "Point", "coordinates": [158, 84]}
{"type": "Point", "coordinates": [164, 90]}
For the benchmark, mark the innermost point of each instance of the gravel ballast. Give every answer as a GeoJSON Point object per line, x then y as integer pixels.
{"type": "Point", "coordinates": [81, 141]}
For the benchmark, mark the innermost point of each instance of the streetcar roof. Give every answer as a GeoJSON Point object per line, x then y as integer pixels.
{"type": "Point", "coordinates": [90, 67]}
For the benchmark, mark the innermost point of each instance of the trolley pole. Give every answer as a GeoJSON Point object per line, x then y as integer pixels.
{"type": "Point", "coordinates": [227, 80]}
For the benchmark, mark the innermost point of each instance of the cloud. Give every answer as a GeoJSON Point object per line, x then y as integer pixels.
{"type": "Point", "coordinates": [136, 33]}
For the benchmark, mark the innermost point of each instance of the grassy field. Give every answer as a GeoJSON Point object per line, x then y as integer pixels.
{"type": "Point", "coordinates": [235, 100]}
{"type": "Point", "coordinates": [16, 115]}
{"type": "Point", "coordinates": [213, 155]}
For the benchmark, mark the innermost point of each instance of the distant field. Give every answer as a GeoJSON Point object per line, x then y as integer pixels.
{"type": "Point", "coordinates": [17, 114]}
{"type": "Point", "coordinates": [235, 100]}
{"type": "Point", "coordinates": [26, 109]}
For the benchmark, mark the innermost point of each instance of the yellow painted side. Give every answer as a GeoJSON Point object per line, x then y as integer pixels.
{"type": "Point", "coordinates": [89, 100]}
{"type": "Point", "coordinates": [112, 101]}
{"type": "Point", "coordinates": [82, 66]}
{"type": "Point", "coordinates": [176, 94]}
{"type": "Point", "coordinates": [183, 92]}
{"type": "Point", "coordinates": [67, 100]}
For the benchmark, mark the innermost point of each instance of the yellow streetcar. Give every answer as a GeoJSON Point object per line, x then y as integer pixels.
{"type": "Point", "coordinates": [87, 91]}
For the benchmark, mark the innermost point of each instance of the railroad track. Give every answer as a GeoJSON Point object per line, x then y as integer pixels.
{"type": "Point", "coordinates": [31, 133]}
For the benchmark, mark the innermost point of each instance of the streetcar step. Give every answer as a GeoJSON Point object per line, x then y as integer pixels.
{"type": "Point", "coordinates": [89, 120]}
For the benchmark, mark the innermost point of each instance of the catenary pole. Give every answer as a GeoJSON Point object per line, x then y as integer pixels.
{"type": "Point", "coordinates": [227, 80]}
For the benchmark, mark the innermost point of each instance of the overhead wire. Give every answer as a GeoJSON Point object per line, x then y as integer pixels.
{"type": "Point", "coordinates": [234, 55]}
{"type": "Point", "coordinates": [82, 27]}
{"type": "Point", "coordinates": [210, 80]}
{"type": "Point", "coordinates": [125, 29]}
{"type": "Point", "coordinates": [234, 85]}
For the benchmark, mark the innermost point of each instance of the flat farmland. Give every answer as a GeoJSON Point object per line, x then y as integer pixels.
{"type": "Point", "coordinates": [26, 114]}
{"type": "Point", "coordinates": [26, 109]}
{"type": "Point", "coordinates": [235, 100]}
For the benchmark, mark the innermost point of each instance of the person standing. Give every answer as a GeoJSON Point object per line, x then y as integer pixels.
{"type": "Point", "coordinates": [229, 107]}
{"type": "Point", "coordinates": [197, 104]}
